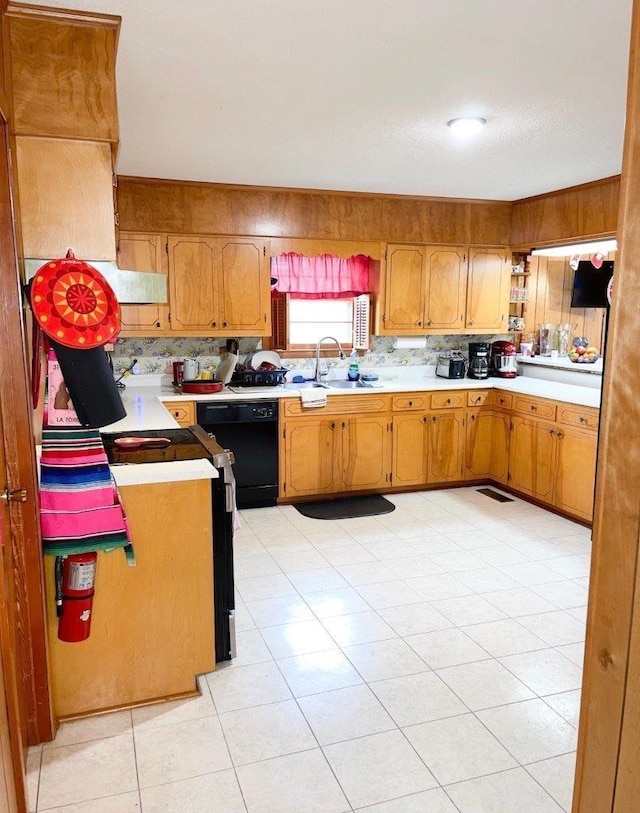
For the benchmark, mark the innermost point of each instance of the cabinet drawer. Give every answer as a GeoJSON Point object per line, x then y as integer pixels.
{"type": "Point", "coordinates": [336, 405]}
{"type": "Point", "coordinates": [417, 401]}
{"type": "Point", "coordinates": [531, 406]}
{"type": "Point", "coordinates": [574, 415]}
{"type": "Point", "coordinates": [478, 397]}
{"type": "Point", "coordinates": [183, 411]}
{"type": "Point", "coordinates": [448, 400]}
{"type": "Point", "coordinates": [502, 399]}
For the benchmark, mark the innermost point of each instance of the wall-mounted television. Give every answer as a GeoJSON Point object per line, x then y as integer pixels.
{"type": "Point", "coordinates": [590, 285]}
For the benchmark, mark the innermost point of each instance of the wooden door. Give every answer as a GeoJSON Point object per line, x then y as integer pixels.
{"type": "Point", "coordinates": [409, 441]}
{"type": "Point", "coordinates": [575, 472]}
{"type": "Point", "coordinates": [478, 446]}
{"type": "Point", "coordinates": [244, 286]}
{"type": "Point", "coordinates": [404, 290]}
{"type": "Point", "coordinates": [66, 198]}
{"type": "Point", "coordinates": [445, 287]}
{"type": "Point", "coordinates": [531, 457]}
{"type": "Point", "coordinates": [143, 252]}
{"type": "Point", "coordinates": [488, 290]}
{"type": "Point", "coordinates": [500, 437]}
{"type": "Point", "coordinates": [366, 452]}
{"type": "Point", "coordinates": [193, 296]}
{"type": "Point", "coordinates": [310, 465]}
{"type": "Point", "coordinates": [446, 447]}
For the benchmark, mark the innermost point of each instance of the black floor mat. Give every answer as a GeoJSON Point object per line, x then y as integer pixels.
{"type": "Point", "coordinates": [346, 508]}
{"type": "Point", "coordinates": [495, 495]}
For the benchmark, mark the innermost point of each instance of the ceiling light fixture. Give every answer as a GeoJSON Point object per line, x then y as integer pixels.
{"type": "Point", "coordinates": [468, 126]}
{"type": "Point", "coordinates": [596, 247]}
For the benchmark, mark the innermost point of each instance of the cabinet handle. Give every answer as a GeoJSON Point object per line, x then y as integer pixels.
{"type": "Point", "coordinates": [473, 417]}
{"type": "Point", "coordinates": [424, 419]}
{"type": "Point", "coordinates": [410, 403]}
{"type": "Point", "coordinates": [344, 425]}
{"type": "Point", "coordinates": [551, 431]}
{"type": "Point", "coordinates": [534, 408]}
{"type": "Point", "coordinates": [478, 399]}
{"type": "Point", "coordinates": [448, 400]}
{"type": "Point", "coordinates": [434, 419]}
{"type": "Point", "coordinates": [419, 323]}
{"type": "Point", "coordinates": [501, 400]}
{"type": "Point", "coordinates": [582, 419]}
{"type": "Point", "coordinates": [157, 324]}
{"type": "Point", "coordinates": [560, 434]}
{"type": "Point", "coordinates": [470, 322]}
{"type": "Point", "coordinates": [214, 324]}
{"type": "Point", "coordinates": [429, 323]}
{"type": "Point", "coordinates": [224, 324]}
{"type": "Point", "coordinates": [333, 424]}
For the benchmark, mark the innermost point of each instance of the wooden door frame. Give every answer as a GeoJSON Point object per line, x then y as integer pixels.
{"type": "Point", "coordinates": [607, 778]}
{"type": "Point", "coordinates": [19, 451]}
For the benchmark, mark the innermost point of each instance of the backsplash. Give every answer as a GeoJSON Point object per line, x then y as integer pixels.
{"type": "Point", "coordinates": [155, 355]}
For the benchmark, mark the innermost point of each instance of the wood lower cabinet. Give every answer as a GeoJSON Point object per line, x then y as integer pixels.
{"type": "Point", "coordinates": [309, 465]}
{"type": "Point", "coordinates": [532, 457]}
{"type": "Point", "coordinates": [446, 445]}
{"type": "Point", "coordinates": [335, 454]}
{"type": "Point", "coordinates": [219, 286]}
{"type": "Point", "coordinates": [478, 445]}
{"type": "Point", "coordinates": [575, 471]}
{"type": "Point", "coordinates": [500, 439]}
{"type": "Point", "coordinates": [366, 452]}
{"type": "Point", "coordinates": [143, 252]}
{"type": "Point", "coordinates": [184, 412]}
{"type": "Point", "coordinates": [409, 463]}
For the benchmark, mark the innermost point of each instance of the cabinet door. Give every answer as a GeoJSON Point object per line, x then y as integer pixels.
{"type": "Point", "coordinates": [309, 461]}
{"type": "Point", "coordinates": [66, 198]}
{"type": "Point", "coordinates": [404, 290]}
{"type": "Point", "coordinates": [409, 450]}
{"type": "Point", "coordinates": [532, 457]}
{"type": "Point", "coordinates": [193, 295]}
{"type": "Point", "coordinates": [366, 452]}
{"type": "Point", "coordinates": [244, 286]}
{"type": "Point", "coordinates": [576, 472]}
{"type": "Point", "coordinates": [478, 445]}
{"type": "Point", "coordinates": [500, 438]}
{"type": "Point", "coordinates": [445, 287]}
{"type": "Point", "coordinates": [446, 447]}
{"type": "Point", "coordinates": [143, 252]}
{"type": "Point", "coordinates": [488, 290]}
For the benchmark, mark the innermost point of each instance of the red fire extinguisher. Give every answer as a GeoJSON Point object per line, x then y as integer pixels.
{"type": "Point", "coordinates": [75, 580]}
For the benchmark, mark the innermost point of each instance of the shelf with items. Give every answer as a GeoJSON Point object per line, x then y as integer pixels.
{"type": "Point", "coordinates": [519, 296]}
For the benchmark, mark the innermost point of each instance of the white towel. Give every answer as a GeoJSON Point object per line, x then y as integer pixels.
{"type": "Point", "coordinates": [314, 397]}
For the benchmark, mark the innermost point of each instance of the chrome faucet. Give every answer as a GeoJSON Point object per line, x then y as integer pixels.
{"type": "Point", "coordinates": [341, 355]}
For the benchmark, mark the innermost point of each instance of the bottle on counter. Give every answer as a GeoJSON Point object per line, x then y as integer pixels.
{"type": "Point", "coordinates": [353, 373]}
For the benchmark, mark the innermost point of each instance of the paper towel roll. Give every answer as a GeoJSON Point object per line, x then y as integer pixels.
{"type": "Point", "coordinates": [410, 342]}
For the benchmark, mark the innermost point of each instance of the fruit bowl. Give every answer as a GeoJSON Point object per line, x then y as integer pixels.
{"type": "Point", "coordinates": [584, 355]}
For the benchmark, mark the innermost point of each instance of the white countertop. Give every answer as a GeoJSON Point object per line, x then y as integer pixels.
{"type": "Point", "coordinates": [136, 474]}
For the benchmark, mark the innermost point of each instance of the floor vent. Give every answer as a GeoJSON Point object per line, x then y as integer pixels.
{"type": "Point", "coordinates": [495, 495]}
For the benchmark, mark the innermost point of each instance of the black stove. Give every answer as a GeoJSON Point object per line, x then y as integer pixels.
{"type": "Point", "coordinates": [184, 445]}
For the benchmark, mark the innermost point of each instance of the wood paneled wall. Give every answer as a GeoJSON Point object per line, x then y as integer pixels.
{"type": "Point", "coordinates": [589, 211]}
{"type": "Point", "coordinates": [550, 288]}
{"type": "Point", "coordinates": [147, 205]}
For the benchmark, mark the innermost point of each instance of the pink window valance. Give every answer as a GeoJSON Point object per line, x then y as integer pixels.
{"type": "Point", "coordinates": [321, 277]}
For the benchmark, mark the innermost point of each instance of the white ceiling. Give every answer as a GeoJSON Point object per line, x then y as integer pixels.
{"type": "Point", "coordinates": [354, 94]}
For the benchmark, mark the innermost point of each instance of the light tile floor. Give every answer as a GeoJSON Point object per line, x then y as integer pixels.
{"type": "Point", "coordinates": [423, 661]}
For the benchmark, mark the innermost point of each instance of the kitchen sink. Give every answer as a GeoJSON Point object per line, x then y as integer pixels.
{"type": "Point", "coordinates": [306, 385]}
{"type": "Point", "coordinates": [346, 385]}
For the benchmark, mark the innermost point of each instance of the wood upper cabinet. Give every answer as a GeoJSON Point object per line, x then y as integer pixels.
{"type": "Point", "coordinates": [63, 67]}
{"type": "Point", "coordinates": [66, 198]}
{"type": "Point", "coordinates": [479, 442]}
{"type": "Point", "coordinates": [436, 289]}
{"type": "Point", "coordinates": [219, 286]}
{"type": "Point", "coordinates": [532, 457]}
{"type": "Point", "coordinates": [308, 465]}
{"type": "Point", "coordinates": [143, 252]}
{"type": "Point", "coordinates": [366, 452]}
{"type": "Point", "coordinates": [409, 464]}
{"type": "Point", "coordinates": [488, 285]}
{"type": "Point", "coordinates": [404, 289]}
{"type": "Point", "coordinates": [245, 286]}
{"type": "Point", "coordinates": [575, 471]}
{"type": "Point", "coordinates": [446, 444]}
{"type": "Point", "coordinates": [445, 280]}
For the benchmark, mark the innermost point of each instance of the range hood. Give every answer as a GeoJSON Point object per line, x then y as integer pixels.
{"type": "Point", "coordinates": [130, 287]}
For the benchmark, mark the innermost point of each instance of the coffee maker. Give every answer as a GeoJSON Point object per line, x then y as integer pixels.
{"type": "Point", "coordinates": [478, 360]}
{"type": "Point", "coordinates": [502, 363]}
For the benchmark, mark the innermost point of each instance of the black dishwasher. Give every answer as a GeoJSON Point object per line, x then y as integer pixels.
{"type": "Point", "coordinates": [250, 430]}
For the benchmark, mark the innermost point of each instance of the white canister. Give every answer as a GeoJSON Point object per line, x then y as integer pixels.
{"type": "Point", "coordinates": [190, 370]}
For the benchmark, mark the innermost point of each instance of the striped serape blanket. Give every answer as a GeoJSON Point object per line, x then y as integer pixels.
{"type": "Point", "coordinates": [80, 508]}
